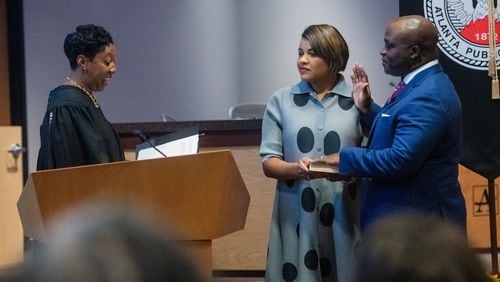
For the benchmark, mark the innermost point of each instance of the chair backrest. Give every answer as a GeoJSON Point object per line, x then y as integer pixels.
{"type": "Point", "coordinates": [165, 117]}
{"type": "Point", "coordinates": [248, 110]}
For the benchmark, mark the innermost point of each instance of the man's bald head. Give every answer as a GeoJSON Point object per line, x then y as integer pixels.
{"type": "Point", "coordinates": [410, 42]}
{"type": "Point", "coordinates": [417, 30]}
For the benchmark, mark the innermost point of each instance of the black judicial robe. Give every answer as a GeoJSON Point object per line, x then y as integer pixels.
{"type": "Point", "coordinates": [74, 132]}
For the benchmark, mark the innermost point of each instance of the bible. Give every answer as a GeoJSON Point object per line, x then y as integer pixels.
{"type": "Point", "coordinates": [323, 168]}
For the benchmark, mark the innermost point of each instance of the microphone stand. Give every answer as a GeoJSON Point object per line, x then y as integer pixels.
{"type": "Point", "coordinates": [143, 137]}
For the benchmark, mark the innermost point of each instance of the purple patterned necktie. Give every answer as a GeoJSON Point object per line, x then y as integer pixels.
{"type": "Point", "coordinates": [396, 92]}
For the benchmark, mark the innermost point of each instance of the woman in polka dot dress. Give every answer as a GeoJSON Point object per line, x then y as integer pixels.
{"type": "Point", "coordinates": [314, 227]}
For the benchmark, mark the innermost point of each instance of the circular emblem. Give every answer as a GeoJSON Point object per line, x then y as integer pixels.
{"type": "Point", "coordinates": [463, 30]}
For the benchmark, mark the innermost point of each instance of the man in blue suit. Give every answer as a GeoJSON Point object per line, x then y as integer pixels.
{"type": "Point", "coordinates": [411, 160]}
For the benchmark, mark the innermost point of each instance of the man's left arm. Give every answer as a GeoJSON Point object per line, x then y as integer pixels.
{"type": "Point", "coordinates": [418, 127]}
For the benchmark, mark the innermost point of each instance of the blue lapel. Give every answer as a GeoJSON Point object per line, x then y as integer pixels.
{"type": "Point", "coordinates": [415, 82]}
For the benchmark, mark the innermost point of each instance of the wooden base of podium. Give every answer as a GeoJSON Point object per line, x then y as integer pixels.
{"type": "Point", "coordinates": [201, 253]}
{"type": "Point", "coordinates": [198, 197]}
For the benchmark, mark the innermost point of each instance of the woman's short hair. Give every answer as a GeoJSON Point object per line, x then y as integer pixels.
{"type": "Point", "coordinates": [87, 40]}
{"type": "Point", "coordinates": [329, 45]}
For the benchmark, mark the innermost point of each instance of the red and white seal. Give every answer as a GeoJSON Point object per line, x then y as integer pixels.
{"type": "Point", "coordinates": [463, 30]}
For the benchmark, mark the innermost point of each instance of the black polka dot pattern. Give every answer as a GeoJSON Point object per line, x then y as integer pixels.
{"type": "Point", "coordinates": [305, 140]}
{"type": "Point", "coordinates": [308, 200]}
{"type": "Point", "coordinates": [289, 272]}
{"type": "Point", "coordinates": [311, 260]}
{"type": "Point", "coordinates": [313, 135]}
{"type": "Point", "coordinates": [332, 143]}
{"type": "Point", "coordinates": [345, 103]}
{"type": "Point", "coordinates": [326, 215]}
{"type": "Point", "coordinates": [300, 100]}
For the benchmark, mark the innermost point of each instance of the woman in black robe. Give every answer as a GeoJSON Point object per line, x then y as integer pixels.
{"type": "Point", "coordinates": [74, 131]}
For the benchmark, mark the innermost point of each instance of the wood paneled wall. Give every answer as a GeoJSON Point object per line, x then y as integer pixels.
{"type": "Point", "coordinates": [475, 190]}
{"type": "Point", "coordinates": [245, 250]}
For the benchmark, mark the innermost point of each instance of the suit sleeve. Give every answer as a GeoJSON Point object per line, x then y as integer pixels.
{"type": "Point", "coordinates": [403, 141]}
{"type": "Point", "coordinates": [366, 120]}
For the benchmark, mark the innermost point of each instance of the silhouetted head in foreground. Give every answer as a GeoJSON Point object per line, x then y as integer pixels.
{"type": "Point", "coordinates": [111, 242]}
{"type": "Point", "coordinates": [413, 248]}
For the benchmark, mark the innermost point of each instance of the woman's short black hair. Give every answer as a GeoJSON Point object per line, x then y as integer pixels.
{"type": "Point", "coordinates": [87, 40]}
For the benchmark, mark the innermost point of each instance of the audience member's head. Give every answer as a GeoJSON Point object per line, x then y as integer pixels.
{"type": "Point", "coordinates": [414, 248]}
{"type": "Point", "coordinates": [111, 242]}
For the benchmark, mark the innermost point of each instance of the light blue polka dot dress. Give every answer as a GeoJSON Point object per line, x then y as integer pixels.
{"type": "Point", "coordinates": [315, 226]}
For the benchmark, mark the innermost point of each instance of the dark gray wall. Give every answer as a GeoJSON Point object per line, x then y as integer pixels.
{"type": "Point", "coordinates": [193, 59]}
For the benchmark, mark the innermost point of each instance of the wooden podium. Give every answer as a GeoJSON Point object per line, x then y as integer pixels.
{"type": "Point", "coordinates": [199, 197]}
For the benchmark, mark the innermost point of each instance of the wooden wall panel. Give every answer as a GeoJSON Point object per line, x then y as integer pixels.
{"type": "Point", "coordinates": [475, 189]}
{"type": "Point", "coordinates": [11, 185]}
{"type": "Point", "coordinates": [245, 250]}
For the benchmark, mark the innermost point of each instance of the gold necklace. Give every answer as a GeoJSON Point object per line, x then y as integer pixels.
{"type": "Point", "coordinates": [89, 94]}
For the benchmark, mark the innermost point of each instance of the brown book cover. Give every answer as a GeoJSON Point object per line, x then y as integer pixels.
{"type": "Point", "coordinates": [323, 168]}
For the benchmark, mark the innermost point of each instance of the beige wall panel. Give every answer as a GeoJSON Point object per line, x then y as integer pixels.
{"type": "Point", "coordinates": [11, 185]}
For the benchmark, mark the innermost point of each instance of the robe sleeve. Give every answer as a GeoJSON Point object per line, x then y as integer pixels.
{"type": "Point", "coordinates": [73, 138]}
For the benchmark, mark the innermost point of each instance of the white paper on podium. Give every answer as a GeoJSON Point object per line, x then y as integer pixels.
{"type": "Point", "coordinates": [178, 143]}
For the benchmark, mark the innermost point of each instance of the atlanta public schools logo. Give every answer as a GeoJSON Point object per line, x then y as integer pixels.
{"type": "Point", "coordinates": [463, 30]}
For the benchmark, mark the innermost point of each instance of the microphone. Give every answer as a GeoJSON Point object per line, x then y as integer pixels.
{"type": "Point", "coordinates": [145, 139]}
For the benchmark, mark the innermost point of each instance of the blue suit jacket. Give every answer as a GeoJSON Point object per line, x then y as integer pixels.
{"type": "Point", "coordinates": [411, 160]}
